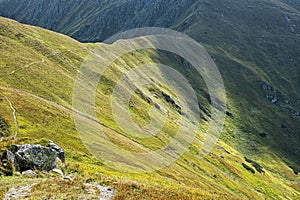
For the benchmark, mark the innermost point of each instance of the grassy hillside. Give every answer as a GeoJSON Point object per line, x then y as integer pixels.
{"type": "Point", "coordinates": [258, 60]}
{"type": "Point", "coordinates": [38, 69]}
{"type": "Point", "coordinates": [255, 45]}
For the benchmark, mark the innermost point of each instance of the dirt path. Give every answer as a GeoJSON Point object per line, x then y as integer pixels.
{"type": "Point", "coordinates": [43, 61]}
{"type": "Point", "coordinates": [28, 94]}
{"type": "Point", "coordinates": [14, 115]}
{"type": "Point", "coordinates": [26, 66]}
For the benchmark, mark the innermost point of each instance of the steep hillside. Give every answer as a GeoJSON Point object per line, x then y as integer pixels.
{"type": "Point", "coordinates": [254, 43]}
{"type": "Point", "coordinates": [93, 20]}
{"type": "Point", "coordinates": [38, 69]}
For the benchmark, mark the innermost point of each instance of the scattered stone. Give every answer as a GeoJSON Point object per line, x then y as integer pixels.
{"type": "Point", "coordinates": [157, 106]}
{"type": "Point", "coordinates": [288, 19]}
{"type": "Point", "coordinates": [59, 151]}
{"type": "Point", "coordinates": [29, 173]}
{"type": "Point", "coordinates": [58, 171]}
{"type": "Point", "coordinates": [295, 113]}
{"type": "Point", "coordinates": [67, 178]}
{"type": "Point", "coordinates": [221, 148]}
{"type": "Point", "coordinates": [274, 100]}
{"type": "Point", "coordinates": [17, 174]}
{"type": "Point", "coordinates": [293, 29]}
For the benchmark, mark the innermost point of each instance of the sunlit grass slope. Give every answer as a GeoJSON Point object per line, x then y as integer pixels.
{"type": "Point", "coordinates": [37, 73]}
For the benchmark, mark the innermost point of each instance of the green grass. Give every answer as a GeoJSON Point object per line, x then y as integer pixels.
{"type": "Point", "coordinates": [40, 89]}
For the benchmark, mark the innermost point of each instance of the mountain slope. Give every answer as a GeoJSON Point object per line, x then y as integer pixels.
{"type": "Point", "coordinates": [38, 70]}
{"type": "Point", "coordinates": [255, 45]}
{"type": "Point", "coordinates": [93, 20]}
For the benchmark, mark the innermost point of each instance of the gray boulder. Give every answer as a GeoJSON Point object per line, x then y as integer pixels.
{"type": "Point", "coordinates": [34, 157]}
{"type": "Point", "coordinates": [29, 173]}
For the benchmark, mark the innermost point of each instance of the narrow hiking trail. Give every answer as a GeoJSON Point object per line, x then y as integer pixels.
{"type": "Point", "coordinates": [26, 66]}
{"type": "Point", "coordinates": [43, 61]}
{"type": "Point", "coordinates": [14, 116]}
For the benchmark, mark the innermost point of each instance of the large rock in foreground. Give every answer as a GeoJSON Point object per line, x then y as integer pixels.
{"type": "Point", "coordinates": [29, 156]}
{"type": "Point", "coordinates": [59, 151]}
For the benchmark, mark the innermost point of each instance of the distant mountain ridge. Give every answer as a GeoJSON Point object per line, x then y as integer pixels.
{"type": "Point", "coordinates": [94, 20]}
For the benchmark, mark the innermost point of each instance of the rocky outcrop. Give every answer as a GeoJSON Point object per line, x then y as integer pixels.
{"type": "Point", "coordinates": [59, 151]}
{"type": "Point", "coordinates": [31, 157]}
{"type": "Point", "coordinates": [280, 100]}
